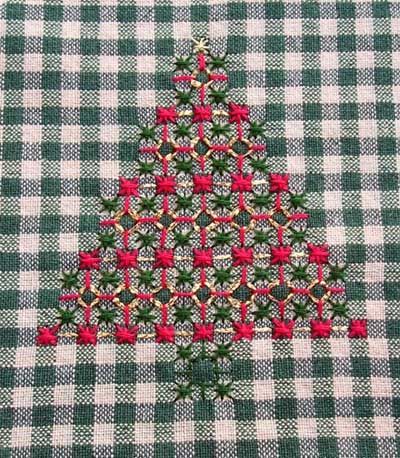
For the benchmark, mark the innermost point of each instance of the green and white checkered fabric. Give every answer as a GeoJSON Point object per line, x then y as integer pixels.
{"type": "Point", "coordinates": [76, 79]}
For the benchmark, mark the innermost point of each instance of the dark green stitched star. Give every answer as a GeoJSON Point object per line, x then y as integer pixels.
{"type": "Point", "coordinates": [297, 236]}
{"type": "Point", "coordinates": [222, 238]}
{"type": "Point", "coordinates": [220, 201]}
{"type": "Point", "coordinates": [298, 200]}
{"type": "Point", "coordinates": [261, 236]}
{"type": "Point", "coordinates": [106, 316]}
{"type": "Point", "coordinates": [184, 203]}
{"type": "Point", "coordinates": [300, 273]}
{"type": "Point", "coordinates": [69, 280]}
{"type": "Point", "coordinates": [261, 274]}
{"type": "Point", "coordinates": [146, 278]}
{"type": "Point", "coordinates": [339, 310]}
{"type": "Point", "coordinates": [217, 62]}
{"type": "Point", "coordinates": [184, 392]}
{"type": "Point", "coordinates": [262, 312]}
{"type": "Point", "coordinates": [222, 351]}
{"type": "Point", "coordinates": [184, 98]}
{"type": "Point", "coordinates": [260, 165]}
{"type": "Point", "coordinates": [146, 167]}
{"type": "Point", "coordinates": [222, 275]}
{"type": "Point", "coordinates": [185, 277]}
{"type": "Point", "coordinates": [223, 390]}
{"type": "Point", "coordinates": [184, 352]}
{"type": "Point", "coordinates": [256, 130]}
{"type": "Point", "coordinates": [222, 314]}
{"type": "Point", "coordinates": [183, 314]}
{"type": "Point", "coordinates": [109, 278]}
{"type": "Point", "coordinates": [148, 133]}
{"type": "Point", "coordinates": [66, 317]}
{"type": "Point", "coordinates": [184, 165]}
{"type": "Point", "coordinates": [107, 240]}
{"type": "Point", "coordinates": [220, 130]}
{"type": "Point", "coordinates": [182, 238]}
{"type": "Point", "coordinates": [182, 131]}
{"type": "Point", "coordinates": [262, 200]}
{"type": "Point", "coordinates": [110, 205]}
{"type": "Point", "coordinates": [145, 239]}
{"type": "Point", "coordinates": [301, 310]}
{"type": "Point", "coordinates": [220, 165]}
{"type": "Point", "coordinates": [218, 96]}
{"type": "Point", "coordinates": [145, 315]}
{"type": "Point", "coordinates": [337, 273]}
{"type": "Point", "coordinates": [183, 63]}
{"type": "Point", "coordinates": [147, 204]}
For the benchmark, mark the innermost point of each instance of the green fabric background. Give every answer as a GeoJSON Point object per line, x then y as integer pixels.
{"type": "Point", "coordinates": [75, 81]}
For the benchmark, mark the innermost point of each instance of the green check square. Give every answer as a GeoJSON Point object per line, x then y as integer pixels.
{"type": "Point", "coordinates": [361, 367]}
{"type": "Point", "coordinates": [345, 10]}
{"type": "Point", "coordinates": [11, 187]}
{"type": "Point", "coordinates": [311, 77]}
{"type": "Point", "coordinates": [13, 116]}
{"type": "Point", "coordinates": [383, 42]}
{"type": "Point", "coordinates": [89, 116]}
{"type": "Point", "coordinates": [50, 186]}
{"type": "Point", "coordinates": [275, 43]}
{"type": "Point", "coordinates": [127, 47]}
{"type": "Point", "coordinates": [163, 13]}
{"type": "Point", "coordinates": [49, 260]}
{"type": "Point", "coordinates": [349, 145]}
{"type": "Point", "coordinates": [381, 9]}
{"type": "Point", "coordinates": [43, 415]}
{"type": "Point", "coordinates": [289, 447]}
{"type": "Point", "coordinates": [311, 43]}
{"type": "Point", "coordinates": [51, 151]}
{"type": "Point", "coordinates": [12, 151]}
{"type": "Point", "coordinates": [53, 12]}
{"type": "Point", "coordinates": [347, 43]}
{"type": "Point", "coordinates": [363, 406]}
{"type": "Point", "coordinates": [310, 10]}
{"type": "Point", "coordinates": [324, 407]}
{"type": "Point", "coordinates": [15, 11]}
{"type": "Point", "coordinates": [274, 10]}
{"type": "Point", "coordinates": [14, 44]}
{"type": "Point", "coordinates": [285, 408]}
{"type": "Point", "coordinates": [126, 13]}
{"type": "Point", "coordinates": [51, 116]}
{"type": "Point", "coordinates": [237, 11]}
{"type": "Point", "coordinates": [13, 80]}
{"type": "Point", "coordinates": [90, 13]}
{"type": "Point", "coordinates": [348, 111]}
{"type": "Point", "coordinates": [51, 45]}
{"type": "Point", "coordinates": [347, 76]}
{"type": "Point", "coordinates": [89, 81]}
{"type": "Point", "coordinates": [90, 47]}
{"type": "Point", "coordinates": [383, 76]}
{"type": "Point", "coordinates": [312, 111]}
{"type": "Point", "coordinates": [199, 13]}
{"type": "Point", "coordinates": [83, 414]}
{"type": "Point", "coordinates": [51, 80]}
{"type": "Point", "coordinates": [275, 112]}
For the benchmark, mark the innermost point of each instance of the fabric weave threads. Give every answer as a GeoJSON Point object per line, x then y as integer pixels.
{"type": "Point", "coordinates": [233, 255]}
{"type": "Point", "coordinates": [75, 79]}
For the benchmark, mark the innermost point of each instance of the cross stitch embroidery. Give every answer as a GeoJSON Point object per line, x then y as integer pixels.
{"type": "Point", "coordinates": [204, 246]}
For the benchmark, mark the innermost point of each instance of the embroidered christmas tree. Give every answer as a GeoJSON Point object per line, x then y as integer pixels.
{"type": "Point", "coordinates": [203, 246]}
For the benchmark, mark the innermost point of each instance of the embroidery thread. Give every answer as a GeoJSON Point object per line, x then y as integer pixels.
{"type": "Point", "coordinates": [203, 247]}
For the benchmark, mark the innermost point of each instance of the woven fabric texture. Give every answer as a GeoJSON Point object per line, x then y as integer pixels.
{"type": "Point", "coordinates": [78, 80]}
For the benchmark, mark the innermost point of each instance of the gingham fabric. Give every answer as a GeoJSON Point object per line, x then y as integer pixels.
{"type": "Point", "coordinates": [76, 82]}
